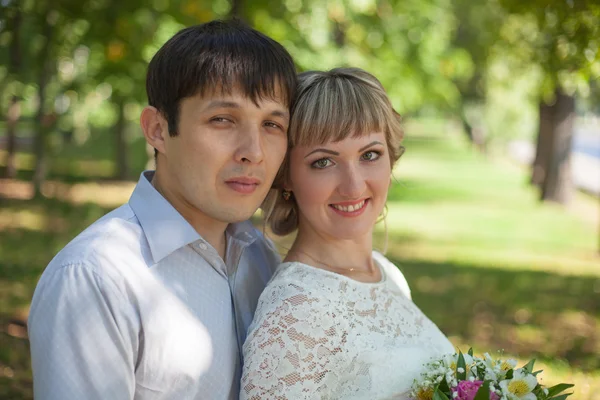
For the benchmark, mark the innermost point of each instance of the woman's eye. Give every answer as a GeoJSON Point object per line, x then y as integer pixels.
{"type": "Point", "coordinates": [322, 163]}
{"type": "Point", "coordinates": [371, 156]}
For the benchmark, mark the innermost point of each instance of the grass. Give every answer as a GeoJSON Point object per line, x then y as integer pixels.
{"type": "Point", "coordinates": [490, 265]}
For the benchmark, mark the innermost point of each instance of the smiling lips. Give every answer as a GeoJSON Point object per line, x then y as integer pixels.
{"type": "Point", "coordinates": [350, 209]}
{"type": "Point", "coordinates": [243, 184]}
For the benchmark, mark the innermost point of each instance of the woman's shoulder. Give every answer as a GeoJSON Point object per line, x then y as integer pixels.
{"type": "Point", "coordinates": [303, 275]}
{"type": "Point", "coordinates": [297, 285]}
{"type": "Point", "coordinates": [393, 274]}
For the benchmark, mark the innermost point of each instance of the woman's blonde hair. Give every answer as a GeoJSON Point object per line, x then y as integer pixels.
{"type": "Point", "coordinates": [330, 106]}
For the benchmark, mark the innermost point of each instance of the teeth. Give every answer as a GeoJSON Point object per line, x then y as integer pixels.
{"type": "Point", "coordinates": [350, 208]}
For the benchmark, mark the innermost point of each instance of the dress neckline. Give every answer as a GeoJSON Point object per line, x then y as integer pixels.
{"type": "Point", "coordinates": [354, 281]}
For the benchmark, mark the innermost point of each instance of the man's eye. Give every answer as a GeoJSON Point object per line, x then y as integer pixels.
{"type": "Point", "coordinates": [273, 125]}
{"type": "Point", "coordinates": [322, 163]}
{"type": "Point", "coordinates": [371, 156]}
{"type": "Point", "coordinates": [220, 120]}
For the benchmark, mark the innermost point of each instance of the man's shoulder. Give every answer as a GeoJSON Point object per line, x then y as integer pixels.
{"type": "Point", "coordinates": [262, 247]}
{"type": "Point", "coordinates": [259, 238]}
{"type": "Point", "coordinates": [112, 239]}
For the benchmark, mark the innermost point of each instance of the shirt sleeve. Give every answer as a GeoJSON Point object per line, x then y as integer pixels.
{"type": "Point", "coordinates": [83, 337]}
{"type": "Point", "coordinates": [293, 345]}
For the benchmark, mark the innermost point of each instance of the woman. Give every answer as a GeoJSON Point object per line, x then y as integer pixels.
{"type": "Point", "coordinates": [336, 321]}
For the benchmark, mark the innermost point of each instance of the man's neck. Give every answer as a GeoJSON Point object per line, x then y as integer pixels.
{"type": "Point", "coordinates": [211, 230]}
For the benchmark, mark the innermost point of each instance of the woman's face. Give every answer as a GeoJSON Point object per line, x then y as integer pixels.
{"type": "Point", "coordinates": [341, 187]}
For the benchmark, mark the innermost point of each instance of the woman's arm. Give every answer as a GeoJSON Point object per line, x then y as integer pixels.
{"type": "Point", "coordinates": [294, 346]}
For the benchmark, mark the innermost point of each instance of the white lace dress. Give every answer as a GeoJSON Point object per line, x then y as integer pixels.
{"type": "Point", "coordinates": [321, 335]}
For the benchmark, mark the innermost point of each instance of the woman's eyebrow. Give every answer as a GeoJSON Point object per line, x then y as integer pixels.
{"type": "Point", "coordinates": [335, 153]}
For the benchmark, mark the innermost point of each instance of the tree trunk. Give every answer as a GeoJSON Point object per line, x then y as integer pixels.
{"type": "Point", "coordinates": [14, 108]}
{"type": "Point", "coordinates": [544, 145]}
{"type": "Point", "coordinates": [558, 185]}
{"type": "Point", "coordinates": [14, 112]}
{"type": "Point", "coordinates": [43, 124]}
{"type": "Point", "coordinates": [475, 134]}
{"type": "Point", "coordinates": [122, 160]}
{"type": "Point", "coordinates": [237, 10]}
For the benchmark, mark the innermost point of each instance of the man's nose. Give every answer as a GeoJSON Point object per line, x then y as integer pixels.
{"type": "Point", "coordinates": [250, 145]}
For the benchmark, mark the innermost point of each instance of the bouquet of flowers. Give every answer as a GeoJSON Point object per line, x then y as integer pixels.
{"type": "Point", "coordinates": [466, 377]}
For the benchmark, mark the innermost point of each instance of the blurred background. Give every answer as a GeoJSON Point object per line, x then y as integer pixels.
{"type": "Point", "coordinates": [494, 211]}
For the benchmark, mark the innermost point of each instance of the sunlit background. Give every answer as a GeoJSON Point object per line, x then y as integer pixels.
{"type": "Point", "coordinates": [494, 212]}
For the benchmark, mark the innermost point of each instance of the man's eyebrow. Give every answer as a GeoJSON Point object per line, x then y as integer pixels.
{"type": "Point", "coordinates": [281, 114]}
{"type": "Point", "coordinates": [232, 104]}
{"type": "Point", "coordinates": [334, 153]}
{"type": "Point", "coordinates": [222, 104]}
{"type": "Point", "coordinates": [369, 145]}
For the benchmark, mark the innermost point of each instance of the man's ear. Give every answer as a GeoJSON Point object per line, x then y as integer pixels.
{"type": "Point", "coordinates": [155, 128]}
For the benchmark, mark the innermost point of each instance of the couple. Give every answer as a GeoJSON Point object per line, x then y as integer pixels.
{"type": "Point", "coordinates": [176, 295]}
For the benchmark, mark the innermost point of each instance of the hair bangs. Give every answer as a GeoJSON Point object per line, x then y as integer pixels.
{"type": "Point", "coordinates": [333, 110]}
{"type": "Point", "coordinates": [253, 70]}
{"type": "Point", "coordinates": [219, 57]}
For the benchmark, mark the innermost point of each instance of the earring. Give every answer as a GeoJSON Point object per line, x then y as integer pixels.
{"type": "Point", "coordinates": [286, 195]}
{"type": "Point", "coordinates": [383, 215]}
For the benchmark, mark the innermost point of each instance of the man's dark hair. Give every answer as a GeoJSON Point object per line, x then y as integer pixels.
{"type": "Point", "coordinates": [218, 55]}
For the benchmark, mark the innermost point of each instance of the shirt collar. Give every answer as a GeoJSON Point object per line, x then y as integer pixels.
{"type": "Point", "coordinates": [165, 228]}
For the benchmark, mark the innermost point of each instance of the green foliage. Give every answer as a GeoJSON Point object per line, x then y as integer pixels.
{"type": "Point", "coordinates": [484, 391]}
{"type": "Point", "coordinates": [462, 373]}
{"type": "Point", "coordinates": [555, 390]}
{"type": "Point", "coordinates": [439, 395]}
{"type": "Point", "coordinates": [558, 36]}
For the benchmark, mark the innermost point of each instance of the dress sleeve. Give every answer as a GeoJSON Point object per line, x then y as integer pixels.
{"type": "Point", "coordinates": [393, 273]}
{"type": "Point", "coordinates": [294, 345]}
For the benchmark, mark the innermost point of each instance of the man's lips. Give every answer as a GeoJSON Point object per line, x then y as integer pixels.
{"type": "Point", "coordinates": [243, 184]}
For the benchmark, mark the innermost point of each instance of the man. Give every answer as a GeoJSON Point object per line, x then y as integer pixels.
{"type": "Point", "coordinates": [153, 300]}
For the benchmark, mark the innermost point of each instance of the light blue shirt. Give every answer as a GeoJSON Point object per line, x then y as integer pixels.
{"type": "Point", "coordinates": [140, 306]}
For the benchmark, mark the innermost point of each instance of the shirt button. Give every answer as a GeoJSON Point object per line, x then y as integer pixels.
{"type": "Point", "coordinates": [202, 246]}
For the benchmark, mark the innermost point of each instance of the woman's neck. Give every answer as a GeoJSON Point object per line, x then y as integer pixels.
{"type": "Point", "coordinates": [352, 258]}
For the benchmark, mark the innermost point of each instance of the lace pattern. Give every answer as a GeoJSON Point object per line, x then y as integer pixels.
{"type": "Point", "coordinates": [317, 334]}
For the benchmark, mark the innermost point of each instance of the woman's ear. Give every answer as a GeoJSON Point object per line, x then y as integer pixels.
{"type": "Point", "coordinates": [155, 128]}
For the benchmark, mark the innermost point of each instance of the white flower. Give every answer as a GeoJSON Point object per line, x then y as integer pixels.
{"type": "Point", "coordinates": [520, 386]}
{"type": "Point", "coordinates": [495, 369]}
{"type": "Point", "coordinates": [508, 364]}
{"type": "Point", "coordinates": [450, 362]}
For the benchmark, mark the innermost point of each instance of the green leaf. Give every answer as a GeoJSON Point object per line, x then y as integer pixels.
{"type": "Point", "coordinates": [509, 374]}
{"type": "Point", "coordinates": [561, 397]}
{"type": "Point", "coordinates": [484, 392]}
{"type": "Point", "coordinates": [439, 395]}
{"type": "Point", "coordinates": [556, 389]}
{"type": "Point", "coordinates": [539, 371]}
{"type": "Point", "coordinates": [529, 366]}
{"type": "Point", "coordinates": [461, 376]}
{"type": "Point", "coordinates": [443, 386]}
{"type": "Point", "coordinates": [470, 352]}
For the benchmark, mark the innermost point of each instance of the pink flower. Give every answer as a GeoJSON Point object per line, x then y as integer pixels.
{"type": "Point", "coordinates": [467, 390]}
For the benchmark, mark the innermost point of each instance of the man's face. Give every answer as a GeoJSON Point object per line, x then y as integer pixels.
{"type": "Point", "coordinates": [226, 154]}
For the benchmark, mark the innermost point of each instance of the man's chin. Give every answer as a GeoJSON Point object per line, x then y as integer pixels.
{"type": "Point", "coordinates": [237, 215]}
